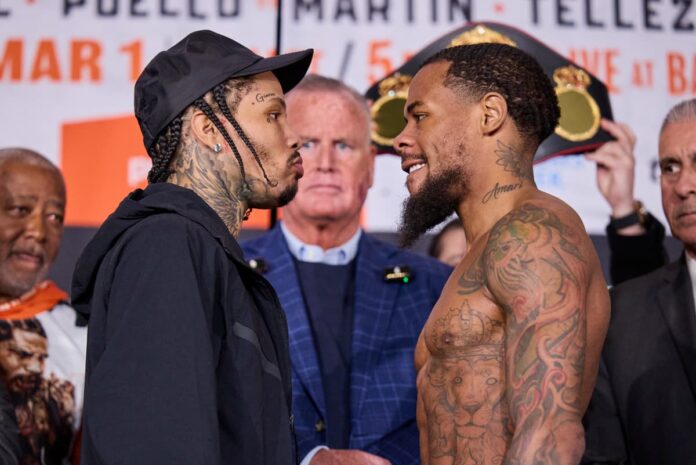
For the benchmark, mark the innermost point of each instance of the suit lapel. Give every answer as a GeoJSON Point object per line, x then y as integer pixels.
{"type": "Point", "coordinates": [677, 305]}
{"type": "Point", "coordinates": [374, 302]}
{"type": "Point", "coordinates": [283, 276]}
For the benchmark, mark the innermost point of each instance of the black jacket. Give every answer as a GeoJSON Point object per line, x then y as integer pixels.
{"type": "Point", "coordinates": [643, 410]}
{"type": "Point", "coordinates": [187, 353]}
{"type": "Point", "coordinates": [633, 256]}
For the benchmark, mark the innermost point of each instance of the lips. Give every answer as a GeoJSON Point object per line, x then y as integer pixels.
{"type": "Point", "coordinates": [412, 164]}
{"type": "Point", "coordinates": [295, 162]}
{"type": "Point", "coordinates": [28, 259]}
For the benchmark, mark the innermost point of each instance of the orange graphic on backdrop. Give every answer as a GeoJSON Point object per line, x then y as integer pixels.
{"type": "Point", "coordinates": [103, 160]}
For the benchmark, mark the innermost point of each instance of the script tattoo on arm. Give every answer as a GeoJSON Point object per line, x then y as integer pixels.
{"type": "Point", "coordinates": [538, 276]}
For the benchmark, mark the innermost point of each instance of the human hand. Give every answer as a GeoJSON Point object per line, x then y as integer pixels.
{"type": "Point", "coordinates": [347, 457]}
{"type": "Point", "coordinates": [616, 168]}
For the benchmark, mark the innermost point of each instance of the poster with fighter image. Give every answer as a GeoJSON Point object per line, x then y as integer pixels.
{"type": "Point", "coordinates": [67, 69]}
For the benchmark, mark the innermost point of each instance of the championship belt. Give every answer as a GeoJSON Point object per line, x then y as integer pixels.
{"type": "Point", "coordinates": [583, 99]}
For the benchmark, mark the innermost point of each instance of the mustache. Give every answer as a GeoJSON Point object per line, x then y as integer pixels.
{"type": "Point", "coordinates": [35, 251]}
{"type": "Point", "coordinates": [685, 208]}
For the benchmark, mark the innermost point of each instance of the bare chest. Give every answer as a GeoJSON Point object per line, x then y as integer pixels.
{"type": "Point", "coordinates": [465, 318]}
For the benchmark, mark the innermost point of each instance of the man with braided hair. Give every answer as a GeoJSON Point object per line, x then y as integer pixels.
{"type": "Point", "coordinates": [187, 354]}
{"type": "Point", "coordinates": [509, 355]}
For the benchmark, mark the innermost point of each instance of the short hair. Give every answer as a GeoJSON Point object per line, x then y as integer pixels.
{"type": "Point", "coordinates": [317, 83]}
{"type": "Point", "coordinates": [682, 111]}
{"type": "Point", "coordinates": [30, 157]}
{"type": "Point", "coordinates": [26, 156]}
{"type": "Point", "coordinates": [477, 69]}
{"type": "Point", "coordinates": [30, 325]}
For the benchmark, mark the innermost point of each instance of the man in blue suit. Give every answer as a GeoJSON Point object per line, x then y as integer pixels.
{"type": "Point", "coordinates": [355, 305]}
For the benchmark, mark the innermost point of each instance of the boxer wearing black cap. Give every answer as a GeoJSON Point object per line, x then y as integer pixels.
{"type": "Point", "coordinates": [508, 357]}
{"type": "Point", "coordinates": [187, 352]}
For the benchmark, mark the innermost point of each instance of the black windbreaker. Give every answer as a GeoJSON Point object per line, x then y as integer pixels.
{"type": "Point", "coordinates": [187, 354]}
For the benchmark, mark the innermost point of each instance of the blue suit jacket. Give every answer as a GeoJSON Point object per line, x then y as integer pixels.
{"type": "Point", "coordinates": [387, 319]}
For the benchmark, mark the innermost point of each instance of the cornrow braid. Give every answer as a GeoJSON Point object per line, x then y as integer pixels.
{"type": "Point", "coordinates": [220, 99]}
{"type": "Point", "coordinates": [208, 111]}
{"type": "Point", "coordinates": [163, 150]}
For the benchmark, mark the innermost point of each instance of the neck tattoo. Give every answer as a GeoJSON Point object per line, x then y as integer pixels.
{"type": "Point", "coordinates": [498, 189]}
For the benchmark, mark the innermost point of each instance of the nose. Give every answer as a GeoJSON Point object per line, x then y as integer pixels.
{"type": "Point", "coordinates": [36, 226]}
{"type": "Point", "coordinates": [326, 157]}
{"type": "Point", "coordinates": [34, 365]}
{"type": "Point", "coordinates": [686, 184]}
{"type": "Point", "coordinates": [404, 142]}
{"type": "Point", "coordinates": [292, 138]}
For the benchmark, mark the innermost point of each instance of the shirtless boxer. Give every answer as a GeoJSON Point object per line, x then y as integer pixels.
{"type": "Point", "coordinates": [508, 357]}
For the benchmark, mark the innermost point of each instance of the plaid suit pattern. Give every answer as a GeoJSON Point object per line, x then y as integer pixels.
{"type": "Point", "coordinates": [387, 320]}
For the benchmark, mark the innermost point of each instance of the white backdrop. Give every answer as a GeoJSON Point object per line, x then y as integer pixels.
{"type": "Point", "coordinates": [65, 64]}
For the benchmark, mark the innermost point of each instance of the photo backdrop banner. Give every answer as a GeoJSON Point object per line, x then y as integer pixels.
{"type": "Point", "coordinates": [67, 69]}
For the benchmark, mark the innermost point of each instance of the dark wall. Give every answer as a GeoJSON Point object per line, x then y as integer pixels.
{"type": "Point", "coordinates": [74, 239]}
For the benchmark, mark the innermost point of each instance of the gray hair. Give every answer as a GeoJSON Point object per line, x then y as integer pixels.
{"type": "Point", "coordinates": [683, 111]}
{"type": "Point", "coordinates": [29, 157]}
{"type": "Point", "coordinates": [317, 83]}
{"type": "Point", "coordinates": [26, 156]}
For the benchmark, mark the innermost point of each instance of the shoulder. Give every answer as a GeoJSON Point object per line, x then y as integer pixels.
{"type": "Point", "coordinates": [165, 230]}
{"type": "Point", "coordinates": [545, 223]}
{"type": "Point", "coordinates": [168, 242]}
{"type": "Point", "coordinates": [539, 247]}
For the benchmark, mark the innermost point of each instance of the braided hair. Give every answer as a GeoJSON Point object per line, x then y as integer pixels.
{"type": "Point", "coordinates": [220, 99]}
{"type": "Point", "coordinates": [164, 149]}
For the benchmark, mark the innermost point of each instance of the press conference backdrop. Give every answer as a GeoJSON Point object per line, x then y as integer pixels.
{"type": "Point", "coordinates": [67, 69]}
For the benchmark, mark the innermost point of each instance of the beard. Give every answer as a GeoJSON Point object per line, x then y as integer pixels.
{"type": "Point", "coordinates": [287, 195]}
{"type": "Point", "coordinates": [436, 200]}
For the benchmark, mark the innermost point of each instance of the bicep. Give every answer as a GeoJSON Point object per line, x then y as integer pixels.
{"type": "Point", "coordinates": [538, 276]}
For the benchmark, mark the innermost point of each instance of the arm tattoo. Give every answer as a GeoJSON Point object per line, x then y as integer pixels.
{"type": "Point", "coordinates": [537, 275]}
{"type": "Point", "coordinates": [520, 165]}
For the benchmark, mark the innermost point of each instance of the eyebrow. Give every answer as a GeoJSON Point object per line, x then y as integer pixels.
{"type": "Point", "coordinates": [279, 100]}
{"type": "Point", "coordinates": [411, 106]}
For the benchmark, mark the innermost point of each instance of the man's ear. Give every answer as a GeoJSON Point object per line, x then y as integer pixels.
{"type": "Point", "coordinates": [204, 130]}
{"type": "Point", "coordinates": [494, 112]}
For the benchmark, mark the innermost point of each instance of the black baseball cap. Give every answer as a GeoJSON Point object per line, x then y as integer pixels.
{"type": "Point", "coordinates": [175, 78]}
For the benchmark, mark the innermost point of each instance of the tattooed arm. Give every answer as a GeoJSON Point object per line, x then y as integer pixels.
{"type": "Point", "coordinates": [538, 276]}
